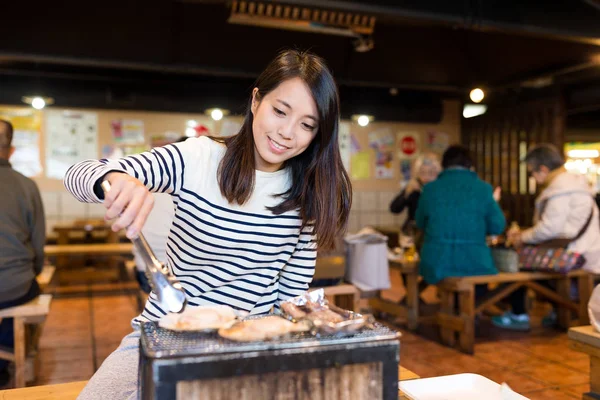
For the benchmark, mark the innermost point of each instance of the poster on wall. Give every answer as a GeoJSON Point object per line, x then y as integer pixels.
{"type": "Point", "coordinates": [71, 136]}
{"type": "Point", "coordinates": [360, 167]}
{"type": "Point", "coordinates": [405, 170]}
{"type": "Point", "coordinates": [437, 141]}
{"type": "Point", "coordinates": [408, 145]}
{"type": "Point", "coordinates": [382, 141]}
{"type": "Point", "coordinates": [127, 131]}
{"type": "Point", "coordinates": [26, 139]}
{"type": "Point", "coordinates": [26, 157]}
{"type": "Point", "coordinates": [345, 142]}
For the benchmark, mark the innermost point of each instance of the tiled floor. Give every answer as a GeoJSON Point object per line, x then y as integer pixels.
{"type": "Point", "coordinates": [86, 324]}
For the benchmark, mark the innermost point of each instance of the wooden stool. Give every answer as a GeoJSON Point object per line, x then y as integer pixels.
{"type": "Point", "coordinates": [344, 295]}
{"type": "Point", "coordinates": [33, 312]}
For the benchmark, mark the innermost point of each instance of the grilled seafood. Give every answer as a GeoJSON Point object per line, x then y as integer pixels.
{"type": "Point", "coordinates": [199, 318]}
{"type": "Point", "coordinates": [262, 329]}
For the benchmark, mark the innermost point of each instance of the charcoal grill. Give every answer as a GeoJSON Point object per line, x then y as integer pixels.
{"type": "Point", "coordinates": [193, 365]}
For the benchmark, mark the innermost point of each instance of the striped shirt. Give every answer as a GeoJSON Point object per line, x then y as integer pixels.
{"type": "Point", "coordinates": [242, 256]}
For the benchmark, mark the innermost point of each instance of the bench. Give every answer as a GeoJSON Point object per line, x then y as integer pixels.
{"type": "Point", "coordinates": [587, 340]}
{"type": "Point", "coordinates": [33, 312]}
{"type": "Point", "coordinates": [45, 277]}
{"type": "Point", "coordinates": [460, 318]}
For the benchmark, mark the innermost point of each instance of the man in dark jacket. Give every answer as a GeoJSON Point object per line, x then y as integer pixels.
{"type": "Point", "coordinates": [22, 237]}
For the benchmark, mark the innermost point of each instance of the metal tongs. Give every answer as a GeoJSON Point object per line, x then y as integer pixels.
{"type": "Point", "coordinates": [167, 288]}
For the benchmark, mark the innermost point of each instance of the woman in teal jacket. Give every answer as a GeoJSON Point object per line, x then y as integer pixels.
{"type": "Point", "coordinates": [456, 212]}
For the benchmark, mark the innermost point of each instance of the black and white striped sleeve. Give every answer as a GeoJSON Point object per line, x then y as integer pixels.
{"type": "Point", "coordinates": [160, 170]}
{"type": "Point", "coordinates": [296, 275]}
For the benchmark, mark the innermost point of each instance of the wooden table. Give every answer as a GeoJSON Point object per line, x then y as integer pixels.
{"type": "Point", "coordinates": [70, 391]}
{"type": "Point", "coordinates": [587, 340]}
{"type": "Point", "coordinates": [63, 391]}
{"type": "Point", "coordinates": [99, 249]}
{"type": "Point", "coordinates": [78, 272]}
{"type": "Point", "coordinates": [410, 273]}
{"type": "Point", "coordinates": [86, 228]}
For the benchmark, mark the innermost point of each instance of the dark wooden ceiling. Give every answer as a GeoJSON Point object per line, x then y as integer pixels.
{"type": "Point", "coordinates": [439, 47]}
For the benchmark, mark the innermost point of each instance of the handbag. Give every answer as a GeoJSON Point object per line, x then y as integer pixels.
{"type": "Point", "coordinates": [552, 255]}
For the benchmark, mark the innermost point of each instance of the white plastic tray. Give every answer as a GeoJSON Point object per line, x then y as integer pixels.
{"type": "Point", "coordinates": [457, 387]}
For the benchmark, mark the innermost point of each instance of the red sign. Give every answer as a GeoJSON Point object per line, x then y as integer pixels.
{"type": "Point", "coordinates": [408, 145]}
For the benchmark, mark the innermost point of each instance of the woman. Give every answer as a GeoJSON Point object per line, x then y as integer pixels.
{"type": "Point", "coordinates": [425, 169]}
{"type": "Point", "coordinates": [456, 212]}
{"type": "Point", "coordinates": [250, 210]}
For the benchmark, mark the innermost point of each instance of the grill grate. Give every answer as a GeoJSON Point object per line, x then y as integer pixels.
{"type": "Point", "coordinates": [157, 342]}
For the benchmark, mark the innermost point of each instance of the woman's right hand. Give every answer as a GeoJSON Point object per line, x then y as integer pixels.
{"type": "Point", "coordinates": [129, 201]}
{"type": "Point", "coordinates": [497, 194]}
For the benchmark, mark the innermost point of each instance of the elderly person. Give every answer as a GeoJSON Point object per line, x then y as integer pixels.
{"type": "Point", "coordinates": [425, 169]}
{"type": "Point", "coordinates": [564, 209]}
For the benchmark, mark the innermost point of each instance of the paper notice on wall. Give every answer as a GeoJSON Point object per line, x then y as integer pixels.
{"type": "Point", "coordinates": [128, 131]}
{"type": "Point", "coordinates": [27, 124]}
{"type": "Point", "coordinates": [345, 141]}
{"type": "Point", "coordinates": [71, 136]}
{"type": "Point", "coordinates": [437, 141]}
{"type": "Point", "coordinates": [26, 157]}
{"type": "Point", "coordinates": [382, 141]}
{"type": "Point", "coordinates": [360, 165]}
{"type": "Point", "coordinates": [408, 145]}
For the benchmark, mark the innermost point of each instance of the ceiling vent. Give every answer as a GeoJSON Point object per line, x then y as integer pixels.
{"type": "Point", "coordinates": [301, 18]}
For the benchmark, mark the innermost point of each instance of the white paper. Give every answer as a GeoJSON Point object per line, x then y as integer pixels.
{"type": "Point", "coordinates": [26, 158]}
{"type": "Point", "coordinates": [132, 131]}
{"type": "Point", "coordinates": [345, 142]}
{"type": "Point", "coordinates": [71, 136]}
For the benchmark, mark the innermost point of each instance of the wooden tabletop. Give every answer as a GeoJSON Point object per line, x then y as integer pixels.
{"type": "Point", "coordinates": [585, 334]}
{"type": "Point", "coordinates": [88, 249]}
{"type": "Point", "coordinates": [70, 391]}
{"type": "Point", "coordinates": [63, 391]}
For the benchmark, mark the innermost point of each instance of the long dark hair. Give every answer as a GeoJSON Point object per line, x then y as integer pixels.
{"type": "Point", "coordinates": [320, 188]}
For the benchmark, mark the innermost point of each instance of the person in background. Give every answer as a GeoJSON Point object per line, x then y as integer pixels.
{"type": "Point", "coordinates": [562, 210]}
{"type": "Point", "coordinates": [156, 231]}
{"type": "Point", "coordinates": [22, 238]}
{"type": "Point", "coordinates": [425, 169]}
{"type": "Point", "coordinates": [456, 212]}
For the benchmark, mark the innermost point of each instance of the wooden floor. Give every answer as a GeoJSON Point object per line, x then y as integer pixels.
{"type": "Point", "coordinates": [87, 322]}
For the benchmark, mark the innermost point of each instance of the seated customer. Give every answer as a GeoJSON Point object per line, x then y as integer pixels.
{"type": "Point", "coordinates": [425, 169]}
{"type": "Point", "coordinates": [565, 208]}
{"type": "Point", "coordinates": [22, 237]}
{"type": "Point", "coordinates": [456, 212]}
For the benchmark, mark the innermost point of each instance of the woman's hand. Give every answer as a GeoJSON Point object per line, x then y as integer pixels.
{"type": "Point", "coordinates": [411, 186]}
{"type": "Point", "coordinates": [129, 201]}
{"type": "Point", "coordinates": [497, 193]}
{"type": "Point", "coordinates": [513, 237]}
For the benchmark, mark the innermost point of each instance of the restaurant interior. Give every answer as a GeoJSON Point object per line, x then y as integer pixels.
{"type": "Point", "coordinates": [414, 78]}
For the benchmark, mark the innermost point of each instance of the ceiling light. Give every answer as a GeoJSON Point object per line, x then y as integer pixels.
{"type": "Point", "coordinates": [583, 153]}
{"type": "Point", "coordinates": [37, 102]}
{"type": "Point", "coordinates": [476, 95]}
{"type": "Point", "coordinates": [216, 113]}
{"type": "Point", "coordinates": [362, 120]}
{"type": "Point", "coordinates": [473, 110]}
{"type": "Point", "coordinates": [191, 123]}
